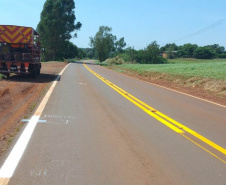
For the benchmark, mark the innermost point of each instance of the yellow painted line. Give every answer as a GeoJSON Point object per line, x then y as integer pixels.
{"type": "Point", "coordinates": [204, 148]}
{"type": "Point", "coordinates": [190, 131]}
{"type": "Point", "coordinates": [166, 88]}
{"type": "Point", "coordinates": [169, 122]}
{"type": "Point", "coordinates": [124, 94]}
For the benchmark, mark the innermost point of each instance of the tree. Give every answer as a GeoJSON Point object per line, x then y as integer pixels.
{"type": "Point", "coordinates": [216, 48]}
{"type": "Point", "coordinates": [119, 45]}
{"type": "Point", "coordinates": [69, 51]}
{"type": "Point", "coordinates": [169, 47]}
{"type": "Point", "coordinates": [103, 42]}
{"type": "Point", "coordinates": [188, 49]}
{"type": "Point", "coordinates": [204, 53]}
{"type": "Point", "coordinates": [89, 52]}
{"type": "Point", "coordinates": [152, 54]}
{"type": "Point", "coordinates": [56, 26]}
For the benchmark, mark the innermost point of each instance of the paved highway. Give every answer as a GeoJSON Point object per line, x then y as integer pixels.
{"type": "Point", "coordinates": [102, 128]}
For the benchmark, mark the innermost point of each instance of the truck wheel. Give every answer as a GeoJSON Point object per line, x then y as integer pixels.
{"type": "Point", "coordinates": [38, 72]}
{"type": "Point", "coordinates": [7, 75]}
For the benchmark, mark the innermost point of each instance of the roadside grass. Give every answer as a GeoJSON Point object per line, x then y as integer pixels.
{"type": "Point", "coordinates": [100, 63]}
{"type": "Point", "coordinates": [193, 60]}
{"type": "Point", "coordinates": [208, 74]}
{"type": "Point", "coordinates": [97, 62]}
{"type": "Point", "coordinates": [214, 70]}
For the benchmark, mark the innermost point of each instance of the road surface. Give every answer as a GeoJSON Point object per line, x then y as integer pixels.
{"type": "Point", "coordinates": [102, 128]}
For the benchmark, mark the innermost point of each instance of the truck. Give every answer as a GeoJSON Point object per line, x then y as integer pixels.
{"type": "Point", "coordinates": [20, 50]}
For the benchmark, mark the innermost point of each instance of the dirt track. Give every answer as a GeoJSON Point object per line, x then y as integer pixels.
{"type": "Point", "coordinates": [18, 98]}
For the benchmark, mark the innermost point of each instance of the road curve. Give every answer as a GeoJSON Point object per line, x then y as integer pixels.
{"type": "Point", "coordinates": [89, 134]}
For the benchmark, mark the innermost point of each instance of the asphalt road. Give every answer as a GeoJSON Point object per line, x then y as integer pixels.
{"type": "Point", "coordinates": [90, 134]}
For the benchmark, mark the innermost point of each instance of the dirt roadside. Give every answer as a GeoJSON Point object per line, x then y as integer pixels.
{"type": "Point", "coordinates": [19, 96]}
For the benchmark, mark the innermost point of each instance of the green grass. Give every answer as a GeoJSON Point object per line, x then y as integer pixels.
{"type": "Point", "coordinates": [100, 63]}
{"type": "Point", "coordinates": [193, 60]}
{"type": "Point", "coordinates": [215, 69]}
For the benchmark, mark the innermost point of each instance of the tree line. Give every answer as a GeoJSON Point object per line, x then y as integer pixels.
{"type": "Point", "coordinates": [194, 51]}
{"type": "Point", "coordinates": [105, 45]}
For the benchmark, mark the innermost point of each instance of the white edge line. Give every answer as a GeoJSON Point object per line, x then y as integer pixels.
{"type": "Point", "coordinates": [167, 88]}
{"type": "Point", "coordinates": [15, 155]}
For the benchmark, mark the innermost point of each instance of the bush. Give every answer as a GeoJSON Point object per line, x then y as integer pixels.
{"type": "Point", "coordinates": [223, 55]}
{"type": "Point", "coordinates": [114, 61]}
{"type": "Point", "coordinates": [204, 53]}
{"type": "Point", "coordinates": [125, 57]}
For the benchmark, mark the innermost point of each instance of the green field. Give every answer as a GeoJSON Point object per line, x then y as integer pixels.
{"type": "Point", "coordinates": [214, 69]}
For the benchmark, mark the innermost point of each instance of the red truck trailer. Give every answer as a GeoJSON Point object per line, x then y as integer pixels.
{"type": "Point", "coordinates": [19, 50]}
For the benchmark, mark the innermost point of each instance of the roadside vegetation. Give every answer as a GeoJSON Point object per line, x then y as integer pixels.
{"type": "Point", "coordinates": [209, 75]}
{"type": "Point", "coordinates": [188, 65]}
{"type": "Point", "coordinates": [215, 69]}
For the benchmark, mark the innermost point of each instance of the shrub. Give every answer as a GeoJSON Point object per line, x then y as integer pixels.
{"type": "Point", "coordinates": [204, 53]}
{"type": "Point", "coordinates": [114, 61]}
{"type": "Point", "coordinates": [223, 55]}
{"type": "Point", "coordinates": [125, 57]}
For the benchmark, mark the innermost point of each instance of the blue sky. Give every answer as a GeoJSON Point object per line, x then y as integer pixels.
{"type": "Point", "coordinates": [139, 22]}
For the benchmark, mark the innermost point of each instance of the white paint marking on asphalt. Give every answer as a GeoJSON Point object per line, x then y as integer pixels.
{"type": "Point", "coordinates": [39, 121]}
{"type": "Point", "coordinates": [82, 83]}
{"type": "Point", "coordinates": [39, 173]}
{"type": "Point", "coordinates": [14, 157]}
{"type": "Point", "coordinates": [58, 117]}
{"type": "Point", "coordinates": [18, 150]}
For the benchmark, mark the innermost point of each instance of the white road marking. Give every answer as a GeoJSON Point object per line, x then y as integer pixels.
{"type": "Point", "coordinates": [82, 83]}
{"type": "Point", "coordinates": [39, 173]}
{"type": "Point", "coordinates": [9, 166]}
{"type": "Point", "coordinates": [39, 121]}
{"type": "Point", "coordinates": [58, 117]}
{"type": "Point", "coordinates": [13, 159]}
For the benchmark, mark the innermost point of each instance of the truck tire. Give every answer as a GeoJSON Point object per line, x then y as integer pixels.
{"type": "Point", "coordinates": [33, 70]}
{"type": "Point", "coordinates": [7, 75]}
{"type": "Point", "coordinates": [39, 71]}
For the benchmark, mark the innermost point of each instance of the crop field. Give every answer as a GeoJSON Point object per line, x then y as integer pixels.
{"type": "Point", "coordinates": [214, 69]}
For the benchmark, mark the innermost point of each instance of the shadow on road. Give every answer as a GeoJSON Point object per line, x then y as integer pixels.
{"type": "Point", "coordinates": [81, 62]}
{"type": "Point", "coordinates": [42, 78]}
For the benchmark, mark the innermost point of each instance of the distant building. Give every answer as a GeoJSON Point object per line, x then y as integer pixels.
{"type": "Point", "coordinates": [169, 54]}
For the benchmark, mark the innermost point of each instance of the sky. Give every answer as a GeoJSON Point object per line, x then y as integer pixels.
{"type": "Point", "coordinates": [201, 22]}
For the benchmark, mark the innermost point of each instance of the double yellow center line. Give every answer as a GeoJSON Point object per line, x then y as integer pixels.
{"type": "Point", "coordinates": [209, 146]}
